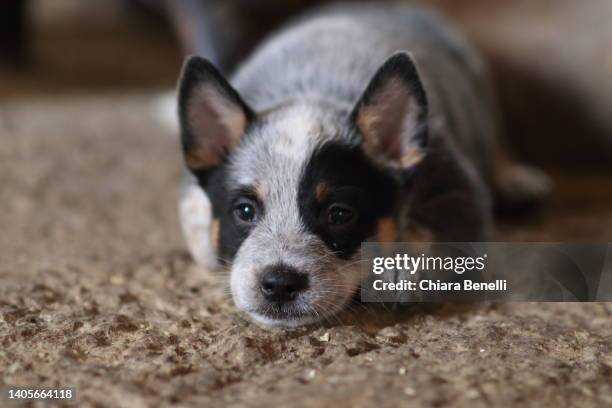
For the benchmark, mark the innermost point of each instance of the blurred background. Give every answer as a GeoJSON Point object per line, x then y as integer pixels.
{"type": "Point", "coordinates": [98, 291]}
{"type": "Point", "coordinates": [552, 58]}
{"type": "Point", "coordinates": [80, 81]}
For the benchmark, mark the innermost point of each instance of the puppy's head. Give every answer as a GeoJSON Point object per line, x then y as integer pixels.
{"type": "Point", "coordinates": [298, 187]}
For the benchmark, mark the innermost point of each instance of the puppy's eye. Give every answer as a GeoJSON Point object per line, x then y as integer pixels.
{"type": "Point", "coordinates": [338, 215]}
{"type": "Point", "coordinates": [245, 212]}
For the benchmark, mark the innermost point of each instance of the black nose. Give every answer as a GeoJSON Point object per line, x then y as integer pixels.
{"type": "Point", "coordinates": [282, 283]}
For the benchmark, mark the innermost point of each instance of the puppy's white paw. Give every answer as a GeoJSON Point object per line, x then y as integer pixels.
{"type": "Point", "coordinates": [200, 229]}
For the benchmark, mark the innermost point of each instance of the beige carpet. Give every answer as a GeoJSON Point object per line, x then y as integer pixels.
{"type": "Point", "coordinates": [97, 292]}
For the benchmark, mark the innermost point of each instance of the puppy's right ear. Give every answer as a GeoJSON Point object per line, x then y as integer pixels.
{"type": "Point", "coordinates": [212, 115]}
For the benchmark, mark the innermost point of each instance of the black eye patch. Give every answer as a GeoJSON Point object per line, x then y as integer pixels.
{"type": "Point", "coordinates": [238, 210]}
{"type": "Point", "coordinates": [246, 206]}
{"type": "Point", "coordinates": [245, 192]}
{"type": "Point", "coordinates": [346, 194]}
{"type": "Point", "coordinates": [342, 176]}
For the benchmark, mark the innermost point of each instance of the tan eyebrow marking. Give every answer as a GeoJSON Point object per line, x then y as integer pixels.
{"type": "Point", "coordinates": [260, 189]}
{"type": "Point", "coordinates": [322, 192]}
{"type": "Point", "coordinates": [214, 235]}
{"type": "Point", "coordinates": [386, 230]}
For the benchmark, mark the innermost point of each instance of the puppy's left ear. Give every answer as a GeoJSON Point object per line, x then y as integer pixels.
{"type": "Point", "coordinates": [391, 115]}
{"type": "Point", "coordinates": [212, 115]}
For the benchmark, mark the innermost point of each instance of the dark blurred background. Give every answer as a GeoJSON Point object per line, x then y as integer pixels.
{"type": "Point", "coordinates": [97, 289]}
{"type": "Point", "coordinates": [552, 59]}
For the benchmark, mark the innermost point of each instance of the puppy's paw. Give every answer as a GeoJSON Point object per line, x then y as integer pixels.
{"type": "Point", "coordinates": [520, 188]}
{"type": "Point", "coordinates": [200, 229]}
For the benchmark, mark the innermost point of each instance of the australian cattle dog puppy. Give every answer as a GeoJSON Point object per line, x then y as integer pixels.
{"type": "Point", "coordinates": [351, 124]}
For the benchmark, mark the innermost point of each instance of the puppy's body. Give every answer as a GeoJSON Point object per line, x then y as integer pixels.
{"type": "Point", "coordinates": [306, 142]}
{"type": "Point", "coordinates": [333, 53]}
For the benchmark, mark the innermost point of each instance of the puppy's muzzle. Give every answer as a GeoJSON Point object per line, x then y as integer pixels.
{"type": "Point", "coordinates": [281, 284]}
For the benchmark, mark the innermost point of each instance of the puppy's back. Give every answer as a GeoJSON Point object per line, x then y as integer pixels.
{"type": "Point", "coordinates": [333, 52]}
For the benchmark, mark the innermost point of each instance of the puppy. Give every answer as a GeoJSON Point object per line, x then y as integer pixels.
{"type": "Point", "coordinates": [351, 124]}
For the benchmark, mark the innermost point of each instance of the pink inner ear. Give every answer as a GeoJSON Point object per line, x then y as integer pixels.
{"type": "Point", "coordinates": [389, 122]}
{"type": "Point", "coordinates": [216, 123]}
{"type": "Point", "coordinates": [393, 104]}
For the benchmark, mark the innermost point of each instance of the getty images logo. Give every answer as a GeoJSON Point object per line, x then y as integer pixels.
{"type": "Point", "coordinates": [412, 264]}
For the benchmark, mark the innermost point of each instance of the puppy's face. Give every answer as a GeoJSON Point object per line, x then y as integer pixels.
{"type": "Point", "coordinates": [296, 189]}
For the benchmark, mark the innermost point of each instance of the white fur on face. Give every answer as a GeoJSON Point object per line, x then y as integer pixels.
{"type": "Point", "coordinates": [280, 236]}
